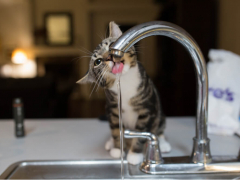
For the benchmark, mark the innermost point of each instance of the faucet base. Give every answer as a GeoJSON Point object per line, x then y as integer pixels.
{"type": "Point", "coordinates": [201, 151]}
{"type": "Point", "coordinates": [182, 165]}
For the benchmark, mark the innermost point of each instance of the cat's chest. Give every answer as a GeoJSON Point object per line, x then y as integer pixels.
{"type": "Point", "coordinates": [129, 88]}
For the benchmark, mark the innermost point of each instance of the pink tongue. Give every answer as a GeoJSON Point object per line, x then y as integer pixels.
{"type": "Point", "coordinates": [117, 68]}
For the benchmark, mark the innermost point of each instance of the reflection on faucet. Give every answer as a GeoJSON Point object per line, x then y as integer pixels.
{"type": "Point", "coordinates": [201, 152]}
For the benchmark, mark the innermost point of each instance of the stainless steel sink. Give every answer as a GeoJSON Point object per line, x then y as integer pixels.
{"type": "Point", "coordinates": [105, 169]}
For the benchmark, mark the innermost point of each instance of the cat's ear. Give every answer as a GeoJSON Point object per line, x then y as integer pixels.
{"type": "Point", "coordinates": [114, 30]}
{"type": "Point", "coordinates": [86, 79]}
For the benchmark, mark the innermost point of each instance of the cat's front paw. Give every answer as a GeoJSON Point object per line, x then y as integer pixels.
{"type": "Point", "coordinates": [134, 158]}
{"type": "Point", "coordinates": [165, 146]}
{"type": "Point", "coordinates": [109, 144]}
{"type": "Point", "coordinates": [115, 153]}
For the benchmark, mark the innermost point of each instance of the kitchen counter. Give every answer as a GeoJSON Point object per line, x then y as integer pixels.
{"type": "Point", "coordinates": [76, 139]}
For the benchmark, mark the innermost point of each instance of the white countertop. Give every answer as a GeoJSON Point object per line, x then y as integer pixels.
{"type": "Point", "coordinates": [76, 139]}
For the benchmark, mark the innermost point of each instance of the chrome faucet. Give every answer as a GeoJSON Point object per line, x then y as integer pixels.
{"type": "Point", "coordinates": [201, 152]}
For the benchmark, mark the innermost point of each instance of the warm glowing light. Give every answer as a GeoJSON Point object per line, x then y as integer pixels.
{"type": "Point", "coordinates": [26, 70]}
{"type": "Point", "coordinates": [19, 57]}
{"type": "Point", "coordinates": [6, 70]}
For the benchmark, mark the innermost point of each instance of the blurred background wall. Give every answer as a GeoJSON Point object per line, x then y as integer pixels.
{"type": "Point", "coordinates": [42, 67]}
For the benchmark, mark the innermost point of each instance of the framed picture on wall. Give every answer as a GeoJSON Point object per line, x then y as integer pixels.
{"type": "Point", "coordinates": [59, 28]}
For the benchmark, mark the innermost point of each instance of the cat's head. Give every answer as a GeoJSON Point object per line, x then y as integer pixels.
{"type": "Point", "coordinates": [103, 67]}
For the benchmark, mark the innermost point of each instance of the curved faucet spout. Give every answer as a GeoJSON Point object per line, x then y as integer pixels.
{"type": "Point", "coordinates": [201, 151]}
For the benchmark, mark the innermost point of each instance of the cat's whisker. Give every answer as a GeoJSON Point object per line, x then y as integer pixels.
{"type": "Point", "coordinates": [98, 76]}
{"type": "Point", "coordinates": [86, 51]}
{"type": "Point", "coordinates": [84, 57]}
{"type": "Point", "coordinates": [75, 59]}
{"type": "Point", "coordinates": [96, 82]}
{"type": "Point", "coordinates": [102, 78]}
{"type": "Point", "coordinates": [92, 90]}
{"type": "Point", "coordinates": [105, 68]}
{"type": "Point", "coordinates": [103, 75]}
{"type": "Point", "coordinates": [100, 73]}
{"type": "Point", "coordinates": [92, 83]}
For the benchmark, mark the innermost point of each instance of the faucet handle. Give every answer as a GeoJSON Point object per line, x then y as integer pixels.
{"type": "Point", "coordinates": [135, 134]}
{"type": "Point", "coordinates": [153, 153]}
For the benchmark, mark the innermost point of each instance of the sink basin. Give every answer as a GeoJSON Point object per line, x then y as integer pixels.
{"type": "Point", "coordinates": [105, 169]}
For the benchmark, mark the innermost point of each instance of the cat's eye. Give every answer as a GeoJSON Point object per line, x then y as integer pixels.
{"type": "Point", "coordinates": [97, 62]}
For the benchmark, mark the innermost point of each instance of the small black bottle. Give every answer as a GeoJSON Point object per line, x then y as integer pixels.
{"type": "Point", "coordinates": [18, 115]}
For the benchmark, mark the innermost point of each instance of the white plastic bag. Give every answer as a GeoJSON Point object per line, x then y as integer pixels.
{"type": "Point", "coordinates": [224, 92]}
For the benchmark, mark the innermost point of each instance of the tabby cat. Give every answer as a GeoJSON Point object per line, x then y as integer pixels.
{"type": "Point", "coordinates": [140, 100]}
